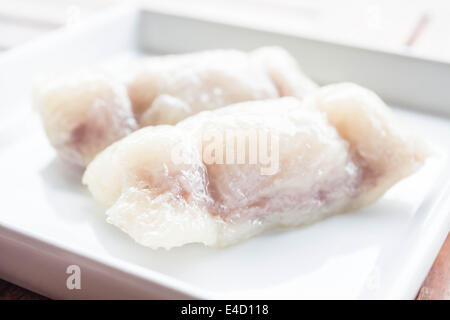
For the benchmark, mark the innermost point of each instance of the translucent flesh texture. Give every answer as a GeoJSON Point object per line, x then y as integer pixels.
{"type": "Point", "coordinates": [171, 88]}
{"type": "Point", "coordinates": [83, 115]}
{"type": "Point", "coordinates": [379, 143]}
{"type": "Point", "coordinates": [328, 162]}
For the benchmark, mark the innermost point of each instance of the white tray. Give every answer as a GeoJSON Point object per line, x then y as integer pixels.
{"type": "Point", "coordinates": [48, 221]}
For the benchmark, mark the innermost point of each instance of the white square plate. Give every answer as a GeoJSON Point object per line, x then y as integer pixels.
{"type": "Point", "coordinates": [48, 220]}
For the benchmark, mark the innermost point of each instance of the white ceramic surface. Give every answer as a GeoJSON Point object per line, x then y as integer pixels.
{"type": "Point", "coordinates": [48, 220]}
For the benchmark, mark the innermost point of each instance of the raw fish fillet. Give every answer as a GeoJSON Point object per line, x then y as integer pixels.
{"type": "Point", "coordinates": [171, 88]}
{"type": "Point", "coordinates": [84, 114]}
{"type": "Point", "coordinates": [337, 150]}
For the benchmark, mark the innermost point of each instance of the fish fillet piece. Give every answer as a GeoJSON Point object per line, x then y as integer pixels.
{"type": "Point", "coordinates": [170, 88]}
{"type": "Point", "coordinates": [284, 71]}
{"type": "Point", "coordinates": [84, 114]}
{"type": "Point", "coordinates": [167, 186]}
{"type": "Point", "coordinates": [378, 142]}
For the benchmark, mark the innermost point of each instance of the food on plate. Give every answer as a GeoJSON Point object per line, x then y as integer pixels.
{"type": "Point", "coordinates": [219, 177]}
{"type": "Point", "coordinates": [167, 89]}
{"type": "Point", "coordinates": [84, 114]}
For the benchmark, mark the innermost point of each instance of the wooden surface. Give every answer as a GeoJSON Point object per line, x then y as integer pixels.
{"type": "Point", "coordinates": [437, 284]}
{"type": "Point", "coordinates": [9, 291]}
{"type": "Point", "coordinates": [435, 287]}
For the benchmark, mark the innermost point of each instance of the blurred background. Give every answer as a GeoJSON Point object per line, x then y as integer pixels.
{"type": "Point", "coordinates": [419, 27]}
